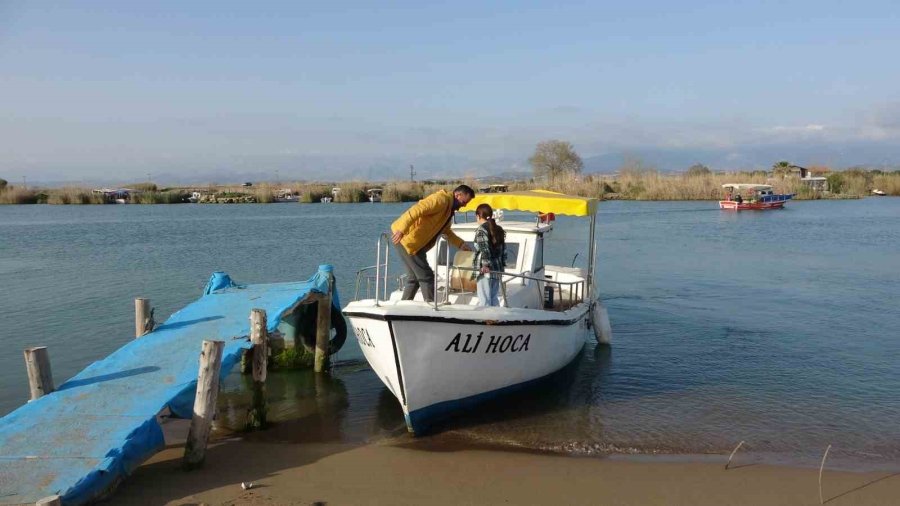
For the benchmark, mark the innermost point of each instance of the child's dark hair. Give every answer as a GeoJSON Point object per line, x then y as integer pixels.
{"type": "Point", "coordinates": [498, 235]}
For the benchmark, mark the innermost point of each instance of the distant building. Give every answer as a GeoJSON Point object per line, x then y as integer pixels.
{"type": "Point", "coordinates": [818, 183]}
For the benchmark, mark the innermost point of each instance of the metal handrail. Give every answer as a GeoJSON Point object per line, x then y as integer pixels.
{"type": "Point", "coordinates": [576, 295]}
{"type": "Point", "coordinates": [379, 285]}
{"type": "Point", "coordinates": [576, 288]}
{"type": "Point", "coordinates": [361, 275]}
{"type": "Point", "coordinates": [446, 244]}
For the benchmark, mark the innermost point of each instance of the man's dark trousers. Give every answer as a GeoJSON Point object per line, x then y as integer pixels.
{"type": "Point", "coordinates": [418, 274]}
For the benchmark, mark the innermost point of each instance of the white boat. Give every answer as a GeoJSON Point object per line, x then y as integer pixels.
{"type": "Point", "coordinates": [440, 357]}
{"type": "Point", "coordinates": [878, 192]}
{"type": "Point", "coordinates": [286, 195]}
{"type": "Point", "coordinates": [119, 196]}
{"type": "Point", "coordinates": [374, 194]}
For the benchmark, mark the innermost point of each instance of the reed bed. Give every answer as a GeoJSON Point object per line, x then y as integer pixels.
{"type": "Point", "coordinates": [18, 195]}
{"type": "Point", "coordinates": [312, 193]}
{"type": "Point", "coordinates": [354, 191]}
{"type": "Point", "coordinates": [159, 197]}
{"type": "Point", "coordinates": [630, 184]}
{"type": "Point", "coordinates": [70, 195]}
{"type": "Point", "coordinates": [264, 195]}
{"type": "Point", "coordinates": [888, 183]}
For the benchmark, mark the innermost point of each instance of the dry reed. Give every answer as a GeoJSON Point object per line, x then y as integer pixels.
{"type": "Point", "coordinates": [18, 195]}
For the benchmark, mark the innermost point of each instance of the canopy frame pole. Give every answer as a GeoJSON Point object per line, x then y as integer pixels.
{"type": "Point", "coordinates": [592, 253]}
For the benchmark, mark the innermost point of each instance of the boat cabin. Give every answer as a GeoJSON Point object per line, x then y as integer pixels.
{"type": "Point", "coordinates": [374, 194]}
{"type": "Point", "coordinates": [526, 282]}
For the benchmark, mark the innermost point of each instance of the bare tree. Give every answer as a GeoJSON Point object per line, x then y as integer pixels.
{"type": "Point", "coordinates": [698, 169]}
{"type": "Point", "coordinates": [554, 158]}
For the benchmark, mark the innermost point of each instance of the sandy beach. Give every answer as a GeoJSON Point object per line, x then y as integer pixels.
{"type": "Point", "coordinates": [417, 472]}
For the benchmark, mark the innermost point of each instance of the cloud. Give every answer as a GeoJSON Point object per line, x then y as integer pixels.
{"type": "Point", "coordinates": [308, 147]}
{"type": "Point", "coordinates": [798, 129]}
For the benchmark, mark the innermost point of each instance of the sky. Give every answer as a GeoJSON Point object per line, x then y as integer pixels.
{"type": "Point", "coordinates": [96, 90]}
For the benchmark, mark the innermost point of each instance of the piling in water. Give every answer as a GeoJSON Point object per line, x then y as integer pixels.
{"type": "Point", "coordinates": [256, 417]}
{"type": "Point", "coordinates": [40, 377]}
{"type": "Point", "coordinates": [323, 328]}
{"type": "Point", "coordinates": [204, 403]}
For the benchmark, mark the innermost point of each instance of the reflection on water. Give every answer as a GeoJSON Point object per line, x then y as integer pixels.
{"type": "Point", "coordinates": [349, 404]}
{"type": "Point", "coordinates": [775, 328]}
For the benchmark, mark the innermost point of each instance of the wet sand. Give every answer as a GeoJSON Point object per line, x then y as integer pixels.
{"type": "Point", "coordinates": [418, 472]}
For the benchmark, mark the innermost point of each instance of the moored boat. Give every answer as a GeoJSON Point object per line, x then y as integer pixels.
{"type": "Point", "coordinates": [286, 195]}
{"type": "Point", "coordinates": [442, 356]}
{"type": "Point", "coordinates": [752, 197]}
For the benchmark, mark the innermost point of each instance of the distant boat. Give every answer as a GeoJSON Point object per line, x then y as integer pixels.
{"type": "Point", "coordinates": [752, 197]}
{"type": "Point", "coordinates": [374, 194]}
{"type": "Point", "coordinates": [878, 192]}
{"type": "Point", "coordinates": [494, 188]}
{"type": "Point", "coordinates": [285, 195]}
{"type": "Point", "coordinates": [118, 196]}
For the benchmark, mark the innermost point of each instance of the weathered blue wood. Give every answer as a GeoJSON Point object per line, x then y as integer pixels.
{"type": "Point", "coordinates": [82, 439]}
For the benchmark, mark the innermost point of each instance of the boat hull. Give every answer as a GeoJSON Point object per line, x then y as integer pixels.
{"type": "Point", "coordinates": [731, 205]}
{"type": "Point", "coordinates": [437, 365]}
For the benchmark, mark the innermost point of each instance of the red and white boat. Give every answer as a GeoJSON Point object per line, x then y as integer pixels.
{"type": "Point", "coordinates": [752, 197]}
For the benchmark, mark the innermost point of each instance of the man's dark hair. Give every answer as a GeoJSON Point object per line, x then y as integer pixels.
{"type": "Point", "coordinates": [466, 189]}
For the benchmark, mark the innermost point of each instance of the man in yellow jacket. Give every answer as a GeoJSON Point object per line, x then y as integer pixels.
{"type": "Point", "coordinates": [416, 231]}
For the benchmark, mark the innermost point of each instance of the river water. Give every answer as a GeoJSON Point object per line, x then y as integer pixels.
{"type": "Point", "coordinates": [778, 328]}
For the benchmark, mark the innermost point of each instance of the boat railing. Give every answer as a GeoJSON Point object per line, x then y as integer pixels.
{"type": "Point", "coordinates": [381, 276]}
{"type": "Point", "coordinates": [446, 244]}
{"type": "Point", "coordinates": [575, 288]}
{"type": "Point", "coordinates": [365, 282]}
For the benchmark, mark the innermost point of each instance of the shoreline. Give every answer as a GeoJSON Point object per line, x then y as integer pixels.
{"type": "Point", "coordinates": [604, 198]}
{"type": "Point", "coordinates": [421, 473]}
{"type": "Point", "coordinates": [629, 185]}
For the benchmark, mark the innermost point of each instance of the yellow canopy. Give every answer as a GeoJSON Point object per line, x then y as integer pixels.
{"type": "Point", "coordinates": [538, 201]}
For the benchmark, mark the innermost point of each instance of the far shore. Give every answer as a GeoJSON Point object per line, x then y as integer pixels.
{"type": "Point", "coordinates": [627, 185]}
{"type": "Point", "coordinates": [418, 472]}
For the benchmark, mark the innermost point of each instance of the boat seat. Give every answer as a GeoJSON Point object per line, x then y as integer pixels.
{"type": "Point", "coordinates": [461, 280]}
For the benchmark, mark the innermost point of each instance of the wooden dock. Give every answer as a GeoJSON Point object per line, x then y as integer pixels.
{"type": "Point", "coordinates": [75, 443]}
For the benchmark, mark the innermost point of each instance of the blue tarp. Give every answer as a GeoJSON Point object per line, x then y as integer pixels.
{"type": "Point", "coordinates": [96, 428]}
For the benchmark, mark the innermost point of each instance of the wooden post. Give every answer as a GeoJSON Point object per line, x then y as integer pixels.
{"type": "Point", "coordinates": [204, 403]}
{"type": "Point", "coordinates": [247, 361]}
{"type": "Point", "coordinates": [53, 500]}
{"type": "Point", "coordinates": [256, 417]}
{"type": "Point", "coordinates": [40, 377]}
{"type": "Point", "coordinates": [142, 317]}
{"type": "Point", "coordinates": [323, 328]}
